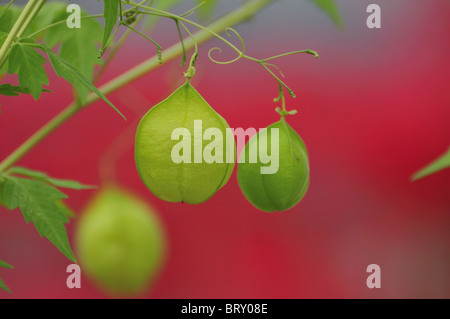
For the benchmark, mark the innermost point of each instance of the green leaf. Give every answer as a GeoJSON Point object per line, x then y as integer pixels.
{"type": "Point", "coordinates": [65, 209]}
{"type": "Point", "coordinates": [3, 36]}
{"type": "Point", "coordinates": [28, 64]}
{"type": "Point", "coordinates": [110, 13]}
{"type": "Point", "coordinates": [4, 68]}
{"type": "Point", "coordinates": [2, 187]}
{"type": "Point", "coordinates": [56, 34]}
{"type": "Point", "coordinates": [68, 184]}
{"type": "Point", "coordinates": [9, 17]}
{"type": "Point", "coordinates": [78, 47]}
{"type": "Point", "coordinates": [36, 200]}
{"type": "Point", "coordinates": [50, 13]}
{"type": "Point", "coordinates": [44, 177]}
{"type": "Point", "coordinates": [206, 11]}
{"type": "Point", "coordinates": [26, 172]}
{"type": "Point", "coordinates": [439, 164]}
{"type": "Point", "coordinates": [331, 9]}
{"type": "Point", "coordinates": [13, 90]}
{"type": "Point", "coordinates": [3, 286]}
{"type": "Point", "coordinates": [5, 265]}
{"type": "Point", "coordinates": [73, 76]}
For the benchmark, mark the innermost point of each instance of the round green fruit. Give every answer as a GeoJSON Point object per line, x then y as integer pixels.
{"type": "Point", "coordinates": [283, 189]}
{"type": "Point", "coordinates": [121, 242]}
{"type": "Point", "coordinates": [170, 148]}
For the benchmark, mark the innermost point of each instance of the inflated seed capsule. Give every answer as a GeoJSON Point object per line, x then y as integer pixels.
{"type": "Point", "coordinates": [281, 183]}
{"type": "Point", "coordinates": [121, 243]}
{"type": "Point", "coordinates": [182, 152]}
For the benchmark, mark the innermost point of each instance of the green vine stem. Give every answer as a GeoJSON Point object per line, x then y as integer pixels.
{"type": "Point", "coordinates": [113, 52]}
{"type": "Point", "coordinates": [282, 111]}
{"type": "Point", "coordinates": [191, 70]}
{"type": "Point", "coordinates": [241, 53]}
{"type": "Point", "coordinates": [243, 13]}
{"type": "Point", "coordinates": [61, 22]}
{"type": "Point", "coordinates": [25, 17]}
{"type": "Point", "coordinates": [33, 14]}
{"type": "Point", "coordinates": [64, 22]}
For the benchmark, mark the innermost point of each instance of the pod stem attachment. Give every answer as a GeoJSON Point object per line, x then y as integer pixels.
{"type": "Point", "coordinates": [191, 70]}
{"type": "Point", "coordinates": [282, 111]}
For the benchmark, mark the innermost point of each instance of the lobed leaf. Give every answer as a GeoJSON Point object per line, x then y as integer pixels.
{"type": "Point", "coordinates": [78, 47]}
{"type": "Point", "coordinates": [14, 90]}
{"type": "Point", "coordinates": [25, 61]}
{"type": "Point", "coordinates": [36, 201]}
{"type": "Point", "coordinates": [73, 76]}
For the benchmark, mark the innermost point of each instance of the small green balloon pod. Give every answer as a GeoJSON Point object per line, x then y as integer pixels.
{"type": "Point", "coordinates": [287, 186]}
{"type": "Point", "coordinates": [121, 243]}
{"type": "Point", "coordinates": [159, 137]}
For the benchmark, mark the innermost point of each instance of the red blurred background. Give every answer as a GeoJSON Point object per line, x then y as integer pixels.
{"type": "Point", "coordinates": [373, 109]}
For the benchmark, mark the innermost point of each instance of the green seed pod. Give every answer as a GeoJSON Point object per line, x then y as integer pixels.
{"type": "Point", "coordinates": [183, 151]}
{"type": "Point", "coordinates": [121, 242]}
{"type": "Point", "coordinates": [274, 183]}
